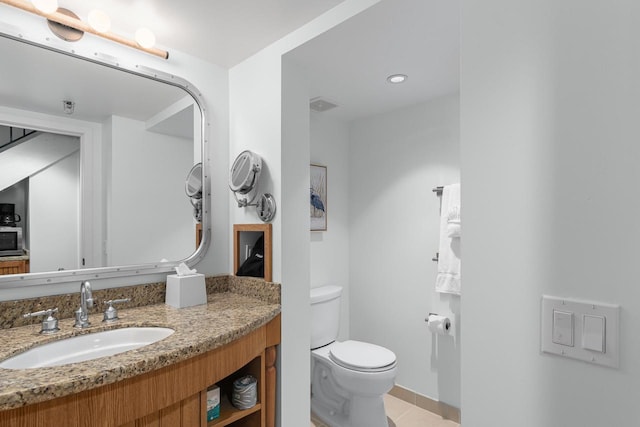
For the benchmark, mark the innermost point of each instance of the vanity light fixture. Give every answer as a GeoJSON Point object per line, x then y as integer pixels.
{"type": "Point", "coordinates": [98, 25]}
{"type": "Point", "coordinates": [45, 6]}
{"type": "Point", "coordinates": [99, 20]}
{"type": "Point", "coordinates": [145, 38]}
{"type": "Point", "coordinates": [397, 78]}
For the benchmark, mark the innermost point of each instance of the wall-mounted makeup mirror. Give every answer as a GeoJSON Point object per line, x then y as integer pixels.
{"type": "Point", "coordinates": [108, 193]}
{"type": "Point", "coordinates": [193, 188]}
{"type": "Point", "coordinates": [244, 178]}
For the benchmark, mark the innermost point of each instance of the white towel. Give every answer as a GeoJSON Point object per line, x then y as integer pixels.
{"type": "Point", "coordinates": [453, 222]}
{"type": "Point", "coordinates": [448, 279]}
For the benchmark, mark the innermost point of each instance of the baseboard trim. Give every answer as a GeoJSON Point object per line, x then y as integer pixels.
{"type": "Point", "coordinates": [445, 411]}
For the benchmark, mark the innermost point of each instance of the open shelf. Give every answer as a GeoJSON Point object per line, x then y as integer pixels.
{"type": "Point", "coordinates": [229, 414]}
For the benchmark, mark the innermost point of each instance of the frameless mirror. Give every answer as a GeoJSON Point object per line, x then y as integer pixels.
{"type": "Point", "coordinates": [99, 178]}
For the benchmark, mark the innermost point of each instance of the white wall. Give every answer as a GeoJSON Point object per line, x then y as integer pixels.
{"type": "Point", "coordinates": [330, 249]}
{"type": "Point", "coordinates": [157, 223]}
{"type": "Point", "coordinates": [295, 258]}
{"type": "Point", "coordinates": [395, 160]}
{"type": "Point", "coordinates": [269, 114]}
{"type": "Point", "coordinates": [33, 155]}
{"type": "Point", "coordinates": [549, 145]}
{"type": "Point", "coordinates": [54, 210]}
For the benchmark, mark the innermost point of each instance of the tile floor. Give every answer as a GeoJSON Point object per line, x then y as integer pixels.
{"type": "Point", "coordinates": [403, 414]}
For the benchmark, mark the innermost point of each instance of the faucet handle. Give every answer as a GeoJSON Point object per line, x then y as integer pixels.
{"type": "Point", "coordinates": [111, 313]}
{"type": "Point", "coordinates": [49, 323]}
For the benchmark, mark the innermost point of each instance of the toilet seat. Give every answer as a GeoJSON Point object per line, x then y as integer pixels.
{"type": "Point", "coordinates": [362, 356]}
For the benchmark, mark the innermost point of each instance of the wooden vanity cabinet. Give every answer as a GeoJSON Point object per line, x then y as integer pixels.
{"type": "Point", "coordinates": [14, 267]}
{"type": "Point", "coordinates": [175, 395]}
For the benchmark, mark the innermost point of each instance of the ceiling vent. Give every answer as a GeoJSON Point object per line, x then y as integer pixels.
{"type": "Point", "coordinates": [321, 104]}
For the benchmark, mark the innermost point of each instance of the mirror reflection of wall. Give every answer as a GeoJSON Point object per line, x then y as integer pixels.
{"type": "Point", "coordinates": [41, 175]}
{"type": "Point", "coordinates": [146, 194]}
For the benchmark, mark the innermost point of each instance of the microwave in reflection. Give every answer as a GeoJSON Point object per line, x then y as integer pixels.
{"type": "Point", "coordinates": [11, 243]}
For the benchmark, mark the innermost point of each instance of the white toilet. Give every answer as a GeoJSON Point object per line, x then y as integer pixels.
{"type": "Point", "coordinates": [348, 379]}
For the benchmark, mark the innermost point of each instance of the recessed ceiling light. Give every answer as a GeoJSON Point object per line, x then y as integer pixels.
{"type": "Point", "coordinates": [397, 78]}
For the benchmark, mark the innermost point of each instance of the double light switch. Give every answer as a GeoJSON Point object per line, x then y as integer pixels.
{"type": "Point", "coordinates": [580, 330]}
{"type": "Point", "coordinates": [593, 330]}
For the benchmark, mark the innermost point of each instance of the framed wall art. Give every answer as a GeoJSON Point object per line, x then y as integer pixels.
{"type": "Point", "coordinates": [318, 197]}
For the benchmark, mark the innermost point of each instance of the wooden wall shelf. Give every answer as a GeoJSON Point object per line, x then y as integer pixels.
{"type": "Point", "coordinates": [238, 229]}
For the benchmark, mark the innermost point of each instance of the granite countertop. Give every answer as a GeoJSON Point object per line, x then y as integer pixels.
{"type": "Point", "coordinates": [198, 329]}
{"type": "Point", "coordinates": [23, 257]}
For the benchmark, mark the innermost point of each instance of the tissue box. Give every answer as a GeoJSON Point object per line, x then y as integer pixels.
{"type": "Point", "coordinates": [213, 403]}
{"type": "Point", "coordinates": [186, 291]}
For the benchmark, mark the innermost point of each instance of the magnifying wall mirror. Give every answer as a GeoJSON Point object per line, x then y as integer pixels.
{"type": "Point", "coordinates": [193, 188]}
{"type": "Point", "coordinates": [244, 178]}
{"type": "Point", "coordinates": [244, 175]}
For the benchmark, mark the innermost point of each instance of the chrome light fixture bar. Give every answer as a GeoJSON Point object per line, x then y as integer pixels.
{"type": "Point", "coordinates": [79, 25]}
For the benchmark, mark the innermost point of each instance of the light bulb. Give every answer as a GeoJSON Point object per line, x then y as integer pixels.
{"type": "Point", "coordinates": [45, 6]}
{"type": "Point", "coordinates": [99, 21]}
{"type": "Point", "coordinates": [145, 38]}
{"type": "Point", "coordinates": [397, 78]}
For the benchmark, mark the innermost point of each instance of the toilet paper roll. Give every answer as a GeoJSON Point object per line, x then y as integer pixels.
{"type": "Point", "coordinates": [439, 324]}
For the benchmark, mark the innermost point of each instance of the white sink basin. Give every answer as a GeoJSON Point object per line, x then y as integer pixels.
{"type": "Point", "coordinates": [86, 347]}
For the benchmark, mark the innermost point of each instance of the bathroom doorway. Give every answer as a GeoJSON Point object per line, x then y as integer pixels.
{"type": "Point", "coordinates": [385, 146]}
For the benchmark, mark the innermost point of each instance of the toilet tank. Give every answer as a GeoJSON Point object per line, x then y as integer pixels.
{"type": "Point", "coordinates": [325, 315]}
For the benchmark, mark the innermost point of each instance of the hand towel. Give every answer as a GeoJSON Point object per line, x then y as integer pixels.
{"type": "Point", "coordinates": [453, 222]}
{"type": "Point", "coordinates": [448, 279]}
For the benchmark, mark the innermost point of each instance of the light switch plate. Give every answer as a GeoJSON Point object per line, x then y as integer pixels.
{"type": "Point", "coordinates": [594, 332]}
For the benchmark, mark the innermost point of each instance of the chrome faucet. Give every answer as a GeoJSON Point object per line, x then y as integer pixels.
{"type": "Point", "coordinates": [86, 301]}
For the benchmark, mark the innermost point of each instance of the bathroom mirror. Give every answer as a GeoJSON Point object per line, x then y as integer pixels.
{"type": "Point", "coordinates": [138, 131]}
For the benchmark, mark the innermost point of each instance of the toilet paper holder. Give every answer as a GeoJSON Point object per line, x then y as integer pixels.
{"type": "Point", "coordinates": [447, 324]}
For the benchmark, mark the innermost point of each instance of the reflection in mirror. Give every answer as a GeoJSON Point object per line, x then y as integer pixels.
{"type": "Point", "coordinates": [93, 160]}
{"type": "Point", "coordinates": [193, 188]}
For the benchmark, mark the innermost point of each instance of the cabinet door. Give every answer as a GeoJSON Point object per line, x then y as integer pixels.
{"type": "Point", "coordinates": [185, 413]}
{"type": "Point", "coordinates": [12, 267]}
